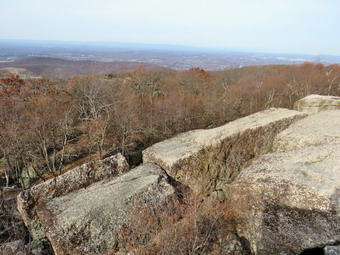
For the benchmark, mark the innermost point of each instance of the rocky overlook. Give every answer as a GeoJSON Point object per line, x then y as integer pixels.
{"type": "Point", "coordinates": [288, 200]}
{"type": "Point", "coordinates": [278, 171]}
{"type": "Point", "coordinates": [216, 156]}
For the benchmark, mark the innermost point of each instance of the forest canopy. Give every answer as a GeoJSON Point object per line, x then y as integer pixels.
{"type": "Point", "coordinates": [50, 125]}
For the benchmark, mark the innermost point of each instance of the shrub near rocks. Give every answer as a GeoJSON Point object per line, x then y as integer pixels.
{"type": "Point", "coordinates": [199, 225]}
{"type": "Point", "coordinates": [12, 227]}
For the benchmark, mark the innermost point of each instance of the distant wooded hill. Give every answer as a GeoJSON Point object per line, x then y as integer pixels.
{"type": "Point", "coordinates": [55, 67]}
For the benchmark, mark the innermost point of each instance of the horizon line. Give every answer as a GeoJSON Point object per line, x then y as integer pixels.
{"type": "Point", "coordinates": [192, 47]}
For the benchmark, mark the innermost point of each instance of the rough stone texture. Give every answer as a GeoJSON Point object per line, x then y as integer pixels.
{"type": "Point", "coordinates": [13, 248]}
{"type": "Point", "coordinates": [319, 128]}
{"type": "Point", "coordinates": [316, 103]}
{"type": "Point", "coordinates": [27, 177]}
{"type": "Point", "coordinates": [289, 200]}
{"type": "Point", "coordinates": [209, 158]}
{"type": "Point", "coordinates": [332, 250]}
{"type": "Point", "coordinates": [87, 220]}
{"type": "Point", "coordinates": [31, 200]}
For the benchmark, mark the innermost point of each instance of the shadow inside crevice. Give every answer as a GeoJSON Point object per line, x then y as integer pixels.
{"type": "Point", "coordinates": [313, 251]}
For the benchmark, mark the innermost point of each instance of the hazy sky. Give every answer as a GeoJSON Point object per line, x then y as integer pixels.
{"type": "Point", "coordinates": [284, 26]}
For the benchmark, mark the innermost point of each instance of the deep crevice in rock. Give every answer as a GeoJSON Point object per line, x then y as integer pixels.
{"type": "Point", "coordinates": [313, 251]}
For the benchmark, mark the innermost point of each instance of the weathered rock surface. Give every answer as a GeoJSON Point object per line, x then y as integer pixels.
{"type": "Point", "coordinates": [86, 220]}
{"type": "Point", "coordinates": [31, 200]}
{"type": "Point", "coordinates": [317, 129]}
{"type": "Point", "coordinates": [27, 177]}
{"type": "Point", "coordinates": [316, 103]}
{"type": "Point", "coordinates": [289, 200]}
{"type": "Point", "coordinates": [209, 158]}
{"type": "Point", "coordinates": [332, 250]}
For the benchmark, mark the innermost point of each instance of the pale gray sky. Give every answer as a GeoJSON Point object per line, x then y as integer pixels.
{"type": "Point", "coordinates": [283, 26]}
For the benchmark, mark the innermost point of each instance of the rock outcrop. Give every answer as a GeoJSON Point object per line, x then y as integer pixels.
{"type": "Point", "coordinates": [209, 158]}
{"type": "Point", "coordinates": [316, 103]}
{"type": "Point", "coordinates": [86, 219]}
{"type": "Point", "coordinates": [278, 170]}
{"type": "Point", "coordinates": [31, 200]}
{"type": "Point", "coordinates": [289, 200]}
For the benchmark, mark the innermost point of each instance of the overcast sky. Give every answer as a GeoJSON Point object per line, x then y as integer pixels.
{"type": "Point", "coordinates": [282, 26]}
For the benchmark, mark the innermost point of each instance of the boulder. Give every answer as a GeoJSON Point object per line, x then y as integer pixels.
{"type": "Point", "coordinates": [288, 201]}
{"type": "Point", "coordinates": [29, 201]}
{"type": "Point", "coordinates": [316, 103]}
{"type": "Point", "coordinates": [206, 159]}
{"type": "Point", "coordinates": [87, 220]}
{"type": "Point", "coordinates": [28, 176]}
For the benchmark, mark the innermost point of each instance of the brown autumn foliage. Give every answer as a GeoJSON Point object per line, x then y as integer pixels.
{"type": "Point", "coordinates": [11, 224]}
{"type": "Point", "coordinates": [47, 124]}
{"type": "Point", "coordinates": [199, 225]}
